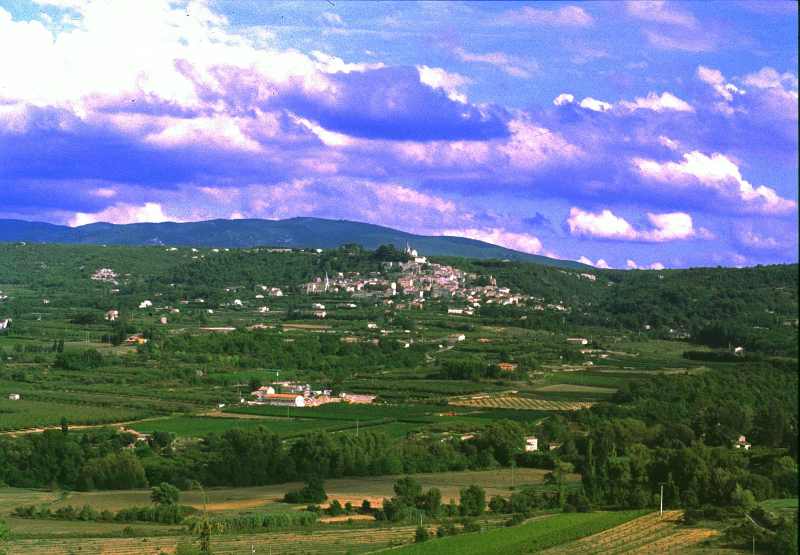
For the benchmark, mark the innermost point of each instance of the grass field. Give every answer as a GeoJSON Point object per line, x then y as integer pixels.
{"type": "Point", "coordinates": [531, 537]}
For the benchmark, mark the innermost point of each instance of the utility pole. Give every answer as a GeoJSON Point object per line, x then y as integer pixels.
{"type": "Point", "coordinates": [661, 505]}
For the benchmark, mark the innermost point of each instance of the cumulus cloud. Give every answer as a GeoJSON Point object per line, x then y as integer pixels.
{"type": "Point", "coordinates": [632, 265]}
{"type": "Point", "coordinates": [450, 83]}
{"type": "Point", "coordinates": [666, 101]}
{"type": "Point", "coordinates": [595, 105]}
{"type": "Point", "coordinates": [718, 174]}
{"type": "Point", "coordinates": [523, 242]}
{"type": "Point", "coordinates": [601, 263]}
{"type": "Point", "coordinates": [567, 16]}
{"type": "Point", "coordinates": [124, 214]}
{"type": "Point", "coordinates": [563, 98]}
{"type": "Point", "coordinates": [605, 224]}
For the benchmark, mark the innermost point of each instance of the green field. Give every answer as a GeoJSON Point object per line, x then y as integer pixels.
{"type": "Point", "coordinates": [535, 535]}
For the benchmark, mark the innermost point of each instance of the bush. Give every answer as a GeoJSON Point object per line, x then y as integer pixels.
{"type": "Point", "coordinates": [312, 492]}
{"type": "Point", "coordinates": [421, 535]}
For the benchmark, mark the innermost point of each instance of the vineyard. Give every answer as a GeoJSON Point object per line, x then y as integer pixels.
{"type": "Point", "coordinates": [649, 534]}
{"type": "Point", "coordinates": [30, 414]}
{"type": "Point", "coordinates": [518, 403]}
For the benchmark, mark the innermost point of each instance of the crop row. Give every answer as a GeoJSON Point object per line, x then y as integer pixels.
{"type": "Point", "coordinates": [511, 402]}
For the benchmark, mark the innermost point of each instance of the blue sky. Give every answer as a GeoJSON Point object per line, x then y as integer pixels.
{"type": "Point", "coordinates": [624, 134]}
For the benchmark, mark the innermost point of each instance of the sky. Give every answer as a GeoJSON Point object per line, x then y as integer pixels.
{"type": "Point", "coordinates": [643, 134]}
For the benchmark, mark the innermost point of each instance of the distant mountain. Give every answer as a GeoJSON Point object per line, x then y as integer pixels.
{"type": "Point", "coordinates": [293, 233]}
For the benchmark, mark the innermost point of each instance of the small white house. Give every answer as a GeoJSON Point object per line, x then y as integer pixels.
{"type": "Point", "coordinates": [577, 341]}
{"type": "Point", "coordinates": [372, 326]}
{"type": "Point", "coordinates": [145, 304]}
{"type": "Point", "coordinates": [13, 397]}
{"type": "Point", "coordinates": [5, 324]}
{"type": "Point", "coordinates": [112, 315]}
{"type": "Point", "coordinates": [741, 443]}
{"type": "Point", "coordinates": [531, 444]}
{"type": "Point", "coordinates": [163, 320]}
{"type": "Point", "coordinates": [263, 309]}
{"type": "Point", "coordinates": [318, 306]}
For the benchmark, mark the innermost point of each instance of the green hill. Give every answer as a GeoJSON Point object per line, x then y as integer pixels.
{"type": "Point", "coordinates": [293, 233]}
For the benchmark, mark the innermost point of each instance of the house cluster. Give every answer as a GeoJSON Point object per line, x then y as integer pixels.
{"type": "Point", "coordinates": [418, 279]}
{"type": "Point", "coordinates": [301, 395]}
{"type": "Point", "coordinates": [105, 274]}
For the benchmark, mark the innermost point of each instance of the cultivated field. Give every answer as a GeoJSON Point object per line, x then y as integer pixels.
{"type": "Point", "coordinates": [651, 533]}
{"type": "Point", "coordinates": [518, 403]}
{"type": "Point", "coordinates": [532, 537]}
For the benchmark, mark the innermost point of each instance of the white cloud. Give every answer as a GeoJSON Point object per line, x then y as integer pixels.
{"type": "Point", "coordinates": [666, 101]}
{"type": "Point", "coordinates": [671, 144]}
{"type": "Point", "coordinates": [515, 66]}
{"type": "Point", "coordinates": [601, 263]}
{"type": "Point", "coordinates": [673, 226]}
{"type": "Point", "coordinates": [719, 174]}
{"type": "Point", "coordinates": [124, 214]}
{"type": "Point", "coordinates": [563, 98]}
{"type": "Point", "coordinates": [632, 265]}
{"type": "Point", "coordinates": [769, 78]}
{"type": "Point", "coordinates": [659, 11]}
{"type": "Point", "coordinates": [568, 16]}
{"type": "Point", "coordinates": [450, 83]}
{"type": "Point", "coordinates": [523, 242]}
{"type": "Point", "coordinates": [595, 105]}
{"type": "Point", "coordinates": [332, 18]}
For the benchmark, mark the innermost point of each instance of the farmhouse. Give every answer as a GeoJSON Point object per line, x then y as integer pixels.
{"type": "Point", "coordinates": [13, 397]}
{"type": "Point", "coordinates": [507, 366]}
{"type": "Point", "coordinates": [284, 400]}
{"type": "Point", "coordinates": [146, 304]}
{"type": "Point", "coordinates": [357, 399]}
{"type": "Point", "coordinates": [262, 391]}
{"type": "Point", "coordinates": [531, 444]}
{"type": "Point", "coordinates": [112, 315]}
{"type": "Point", "coordinates": [5, 324]}
{"type": "Point", "coordinates": [577, 341]}
{"type": "Point", "coordinates": [136, 339]}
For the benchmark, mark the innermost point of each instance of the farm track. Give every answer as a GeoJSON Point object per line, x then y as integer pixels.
{"type": "Point", "coordinates": [650, 534]}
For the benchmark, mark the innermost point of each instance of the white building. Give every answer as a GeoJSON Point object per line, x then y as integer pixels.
{"type": "Point", "coordinates": [5, 324]}
{"type": "Point", "coordinates": [531, 444]}
{"type": "Point", "coordinates": [577, 341]}
{"type": "Point", "coordinates": [146, 304]}
{"type": "Point", "coordinates": [13, 397]}
{"type": "Point", "coordinates": [284, 400]}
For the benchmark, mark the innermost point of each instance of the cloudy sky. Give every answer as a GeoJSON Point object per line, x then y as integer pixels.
{"type": "Point", "coordinates": [640, 134]}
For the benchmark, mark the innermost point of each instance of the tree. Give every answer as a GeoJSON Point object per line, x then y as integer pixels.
{"type": "Point", "coordinates": [407, 490]}
{"type": "Point", "coordinates": [165, 494]}
{"type": "Point", "coordinates": [473, 501]}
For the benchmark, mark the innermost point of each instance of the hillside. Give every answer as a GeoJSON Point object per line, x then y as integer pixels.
{"type": "Point", "coordinates": [293, 233]}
